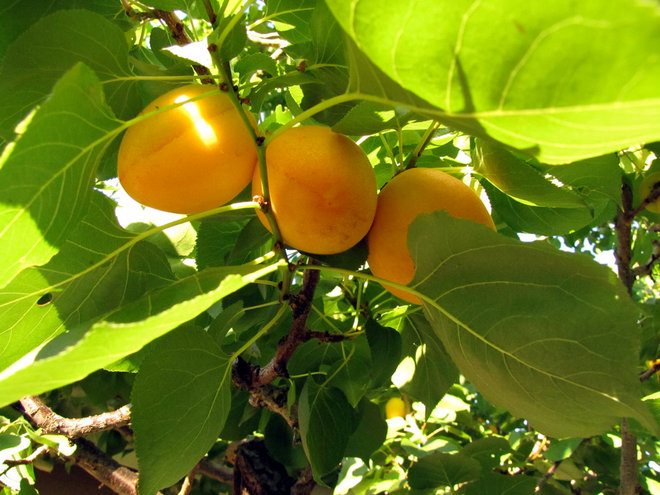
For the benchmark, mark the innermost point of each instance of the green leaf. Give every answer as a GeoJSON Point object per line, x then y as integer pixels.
{"type": "Point", "coordinates": [181, 399]}
{"type": "Point", "coordinates": [46, 182]}
{"type": "Point", "coordinates": [19, 15]}
{"type": "Point", "coordinates": [79, 284]}
{"type": "Point", "coordinates": [495, 68]}
{"type": "Point", "coordinates": [550, 336]}
{"type": "Point", "coordinates": [370, 433]}
{"type": "Point", "coordinates": [427, 372]}
{"type": "Point", "coordinates": [385, 346]}
{"type": "Point", "coordinates": [500, 484]}
{"type": "Point", "coordinates": [488, 451]}
{"type": "Point", "coordinates": [230, 36]}
{"type": "Point", "coordinates": [52, 46]}
{"type": "Point", "coordinates": [520, 180]}
{"type": "Point", "coordinates": [539, 220]}
{"type": "Point", "coordinates": [351, 372]}
{"type": "Point", "coordinates": [326, 423]}
{"type": "Point", "coordinates": [75, 354]}
{"type": "Point", "coordinates": [440, 469]}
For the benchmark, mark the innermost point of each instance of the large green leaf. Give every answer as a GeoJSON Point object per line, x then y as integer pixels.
{"type": "Point", "coordinates": [79, 284]}
{"type": "Point", "coordinates": [544, 80]}
{"type": "Point", "coordinates": [427, 371]}
{"type": "Point", "coordinates": [550, 336]}
{"type": "Point", "coordinates": [181, 400]}
{"type": "Point", "coordinates": [441, 469]}
{"type": "Point", "coordinates": [74, 354]}
{"type": "Point", "coordinates": [44, 52]}
{"type": "Point", "coordinates": [326, 423]}
{"type": "Point", "coordinates": [18, 15]}
{"type": "Point", "coordinates": [46, 182]}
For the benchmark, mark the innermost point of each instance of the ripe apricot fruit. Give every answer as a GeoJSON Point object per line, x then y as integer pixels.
{"type": "Point", "coordinates": [645, 189]}
{"type": "Point", "coordinates": [415, 191]}
{"type": "Point", "coordinates": [188, 159]}
{"type": "Point", "coordinates": [322, 189]}
{"type": "Point", "coordinates": [395, 407]}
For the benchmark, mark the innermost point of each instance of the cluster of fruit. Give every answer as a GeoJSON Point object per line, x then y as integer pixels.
{"type": "Point", "coordinates": [322, 188]}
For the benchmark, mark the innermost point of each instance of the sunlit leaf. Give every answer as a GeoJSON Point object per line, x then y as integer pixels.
{"type": "Point", "coordinates": [73, 355]}
{"type": "Point", "coordinates": [46, 182]}
{"type": "Point", "coordinates": [541, 80]}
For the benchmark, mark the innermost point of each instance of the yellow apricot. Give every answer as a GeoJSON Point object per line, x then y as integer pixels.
{"type": "Point", "coordinates": [395, 407]}
{"type": "Point", "coordinates": [188, 159]}
{"type": "Point", "coordinates": [322, 189]}
{"type": "Point", "coordinates": [408, 194]}
{"type": "Point", "coordinates": [645, 189]}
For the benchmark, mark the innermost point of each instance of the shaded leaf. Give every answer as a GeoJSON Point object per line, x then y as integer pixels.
{"type": "Point", "coordinates": [370, 433]}
{"type": "Point", "coordinates": [52, 46]}
{"type": "Point", "coordinates": [385, 346]}
{"type": "Point", "coordinates": [181, 399]}
{"type": "Point", "coordinates": [488, 451]}
{"type": "Point", "coordinates": [440, 469]}
{"type": "Point", "coordinates": [500, 484]}
{"type": "Point", "coordinates": [539, 220]}
{"type": "Point", "coordinates": [428, 371]}
{"type": "Point", "coordinates": [351, 373]}
{"type": "Point", "coordinates": [548, 335]}
{"type": "Point", "coordinates": [326, 423]}
{"type": "Point", "coordinates": [518, 179]}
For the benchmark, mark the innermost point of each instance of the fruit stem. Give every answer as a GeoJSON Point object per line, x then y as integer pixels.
{"type": "Point", "coordinates": [259, 143]}
{"type": "Point", "coordinates": [426, 139]}
{"type": "Point", "coordinates": [366, 276]}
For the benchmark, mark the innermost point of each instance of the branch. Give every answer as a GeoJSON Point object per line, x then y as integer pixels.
{"type": "Point", "coordinates": [104, 468]}
{"type": "Point", "coordinates": [51, 422]}
{"type": "Point", "coordinates": [89, 457]}
{"type": "Point", "coordinates": [249, 377]}
{"type": "Point", "coordinates": [623, 227]}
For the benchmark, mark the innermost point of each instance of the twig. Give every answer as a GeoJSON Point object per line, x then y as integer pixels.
{"type": "Point", "coordinates": [187, 485]}
{"type": "Point", "coordinates": [42, 449]}
{"type": "Point", "coordinates": [544, 479]}
{"type": "Point", "coordinates": [51, 422]}
{"type": "Point", "coordinates": [650, 372]}
{"type": "Point", "coordinates": [216, 471]}
{"type": "Point", "coordinates": [652, 197]}
{"type": "Point", "coordinates": [275, 400]}
{"type": "Point", "coordinates": [428, 135]}
{"type": "Point", "coordinates": [180, 35]}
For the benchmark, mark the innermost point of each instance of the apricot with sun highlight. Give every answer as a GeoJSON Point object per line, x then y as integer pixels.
{"type": "Point", "coordinates": [408, 194]}
{"type": "Point", "coordinates": [190, 158]}
{"type": "Point", "coordinates": [322, 189]}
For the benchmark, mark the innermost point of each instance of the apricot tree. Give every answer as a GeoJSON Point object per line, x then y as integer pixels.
{"type": "Point", "coordinates": [244, 345]}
